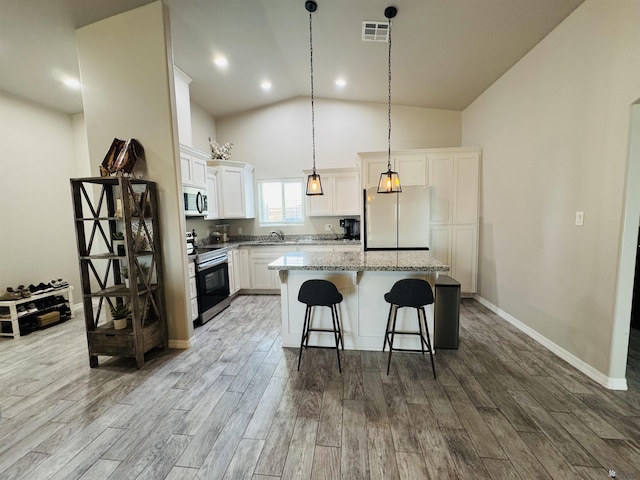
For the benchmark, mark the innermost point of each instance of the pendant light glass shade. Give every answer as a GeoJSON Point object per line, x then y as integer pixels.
{"type": "Point", "coordinates": [314, 186]}
{"type": "Point", "coordinates": [389, 180]}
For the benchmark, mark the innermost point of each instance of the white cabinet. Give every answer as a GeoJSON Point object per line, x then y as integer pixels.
{"type": "Point", "coordinates": [232, 274]}
{"type": "Point", "coordinates": [238, 269]}
{"type": "Point", "coordinates": [243, 277]}
{"type": "Point", "coordinates": [464, 256]}
{"type": "Point", "coordinates": [235, 189]}
{"type": "Point", "coordinates": [410, 165]}
{"type": "Point", "coordinates": [341, 188]}
{"type": "Point", "coordinates": [193, 164]}
{"type": "Point", "coordinates": [193, 291]}
{"type": "Point", "coordinates": [440, 245]}
{"type": "Point", "coordinates": [260, 257]}
{"type": "Point", "coordinates": [212, 194]}
{"type": "Point", "coordinates": [454, 175]}
{"type": "Point", "coordinates": [183, 106]}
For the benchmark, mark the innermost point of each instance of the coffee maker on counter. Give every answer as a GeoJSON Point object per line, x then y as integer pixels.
{"type": "Point", "coordinates": [351, 228]}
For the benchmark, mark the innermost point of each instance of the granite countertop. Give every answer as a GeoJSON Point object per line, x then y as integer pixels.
{"type": "Point", "coordinates": [389, 261]}
{"type": "Point", "coordinates": [277, 243]}
{"type": "Point", "coordinates": [268, 242]}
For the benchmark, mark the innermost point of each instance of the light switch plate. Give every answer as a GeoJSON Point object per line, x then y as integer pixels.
{"type": "Point", "coordinates": [579, 219]}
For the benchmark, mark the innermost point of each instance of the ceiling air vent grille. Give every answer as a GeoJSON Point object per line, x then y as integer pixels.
{"type": "Point", "coordinates": [375, 31]}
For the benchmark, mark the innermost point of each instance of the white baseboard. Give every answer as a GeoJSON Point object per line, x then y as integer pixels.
{"type": "Point", "coordinates": [181, 344]}
{"type": "Point", "coordinates": [611, 383]}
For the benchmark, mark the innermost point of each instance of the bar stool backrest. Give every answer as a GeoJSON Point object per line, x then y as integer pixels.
{"type": "Point", "coordinates": [410, 292]}
{"type": "Point", "coordinates": [319, 292]}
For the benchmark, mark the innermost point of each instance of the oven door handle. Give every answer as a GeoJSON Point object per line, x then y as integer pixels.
{"type": "Point", "coordinates": [213, 262]}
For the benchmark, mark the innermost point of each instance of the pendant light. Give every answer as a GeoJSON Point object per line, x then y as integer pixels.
{"type": "Point", "coordinates": [389, 180]}
{"type": "Point", "coordinates": [314, 186]}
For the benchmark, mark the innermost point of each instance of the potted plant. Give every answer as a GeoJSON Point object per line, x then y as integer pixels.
{"type": "Point", "coordinates": [118, 243]}
{"type": "Point", "coordinates": [119, 315]}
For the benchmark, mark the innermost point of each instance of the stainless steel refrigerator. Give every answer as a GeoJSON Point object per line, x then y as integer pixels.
{"type": "Point", "coordinates": [397, 220]}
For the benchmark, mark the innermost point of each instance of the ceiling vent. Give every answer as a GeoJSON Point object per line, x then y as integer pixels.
{"type": "Point", "coordinates": [375, 31]}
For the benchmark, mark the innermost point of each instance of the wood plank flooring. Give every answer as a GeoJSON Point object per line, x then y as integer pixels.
{"type": "Point", "coordinates": [235, 407]}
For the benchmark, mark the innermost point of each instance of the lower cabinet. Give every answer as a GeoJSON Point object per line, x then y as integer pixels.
{"type": "Point", "coordinates": [239, 277]}
{"type": "Point", "coordinates": [193, 291]}
{"type": "Point", "coordinates": [457, 246]}
{"type": "Point", "coordinates": [259, 259]}
{"type": "Point", "coordinates": [233, 288]}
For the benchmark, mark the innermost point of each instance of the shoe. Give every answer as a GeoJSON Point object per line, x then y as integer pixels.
{"type": "Point", "coordinates": [22, 311]}
{"type": "Point", "coordinates": [10, 294]}
{"type": "Point", "coordinates": [35, 290]}
{"type": "Point", "coordinates": [45, 287]}
{"type": "Point", "coordinates": [59, 283]}
{"type": "Point", "coordinates": [31, 308]}
{"type": "Point", "coordinates": [24, 291]}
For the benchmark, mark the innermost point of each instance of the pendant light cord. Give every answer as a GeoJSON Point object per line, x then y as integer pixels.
{"type": "Point", "coordinates": [313, 125]}
{"type": "Point", "coordinates": [389, 104]}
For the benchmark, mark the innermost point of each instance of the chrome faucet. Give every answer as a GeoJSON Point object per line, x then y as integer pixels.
{"type": "Point", "coordinates": [278, 233]}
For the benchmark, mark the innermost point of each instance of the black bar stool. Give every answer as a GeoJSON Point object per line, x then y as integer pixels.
{"type": "Point", "coordinates": [415, 293]}
{"type": "Point", "coordinates": [320, 293]}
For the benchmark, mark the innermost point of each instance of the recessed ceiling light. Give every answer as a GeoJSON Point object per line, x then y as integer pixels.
{"type": "Point", "coordinates": [220, 61]}
{"type": "Point", "coordinates": [265, 85]}
{"type": "Point", "coordinates": [341, 82]}
{"type": "Point", "coordinates": [72, 83]}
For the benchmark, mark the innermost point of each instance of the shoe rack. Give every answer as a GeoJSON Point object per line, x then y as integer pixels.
{"type": "Point", "coordinates": [14, 323]}
{"type": "Point", "coordinates": [102, 207]}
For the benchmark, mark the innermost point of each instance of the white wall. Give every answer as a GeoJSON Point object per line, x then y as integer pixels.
{"type": "Point", "coordinates": [554, 134]}
{"type": "Point", "coordinates": [277, 139]}
{"type": "Point", "coordinates": [37, 243]}
{"type": "Point", "coordinates": [203, 126]}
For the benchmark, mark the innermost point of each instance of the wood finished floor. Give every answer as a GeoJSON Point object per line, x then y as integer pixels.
{"type": "Point", "coordinates": [235, 407]}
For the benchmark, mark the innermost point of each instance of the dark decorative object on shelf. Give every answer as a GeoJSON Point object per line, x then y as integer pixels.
{"type": "Point", "coordinates": [121, 157]}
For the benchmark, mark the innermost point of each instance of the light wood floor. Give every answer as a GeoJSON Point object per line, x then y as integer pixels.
{"type": "Point", "coordinates": [234, 406]}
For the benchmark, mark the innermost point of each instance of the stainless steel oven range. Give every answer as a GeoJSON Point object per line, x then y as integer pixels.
{"type": "Point", "coordinates": [212, 281]}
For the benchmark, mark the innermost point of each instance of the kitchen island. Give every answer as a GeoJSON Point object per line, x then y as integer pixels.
{"type": "Point", "coordinates": [362, 278]}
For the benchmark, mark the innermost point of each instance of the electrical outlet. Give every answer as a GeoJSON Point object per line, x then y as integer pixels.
{"type": "Point", "coordinates": [328, 227]}
{"type": "Point", "coordinates": [579, 219]}
{"type": "Point", "coordinates": [239, 230]}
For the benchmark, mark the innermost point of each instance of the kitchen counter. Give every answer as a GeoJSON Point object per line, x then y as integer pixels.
{"type": "Point", "coordinates": [362, 278]}
{"type": "Point", "coordinates": [385, 261]}
{"type": "Point", "coordinates": [280, 243]}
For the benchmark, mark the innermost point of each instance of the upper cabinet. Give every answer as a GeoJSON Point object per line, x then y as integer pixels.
{"type": "Point", "coordinates": [213, 212]}
{"type": "Point", "coordinates": [341, 188]}
{"type": "Point", "coordinates": [454, 177]}
{"type": "Point", "coordinates": [193, 164]}
{"type": "Point", "coordinates": [183, 106]}
{"type": "Point", "coordinates": [235, 189]}
{"type": "Point", "coordinates": [410, 165]}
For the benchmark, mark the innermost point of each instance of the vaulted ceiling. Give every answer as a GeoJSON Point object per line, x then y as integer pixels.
{"type": "Point", "coordinates": [445, 53]}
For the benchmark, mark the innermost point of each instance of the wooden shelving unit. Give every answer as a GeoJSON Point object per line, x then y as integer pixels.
{"type": "Point", "coordinates": [103, 206]}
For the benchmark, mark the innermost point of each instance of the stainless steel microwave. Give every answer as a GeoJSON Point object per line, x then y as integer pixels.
{"type": "Point", "coordinates": [195, 201]}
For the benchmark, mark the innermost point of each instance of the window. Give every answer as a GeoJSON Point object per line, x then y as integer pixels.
{"type": "Point", "coordinates": [280, 202]}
